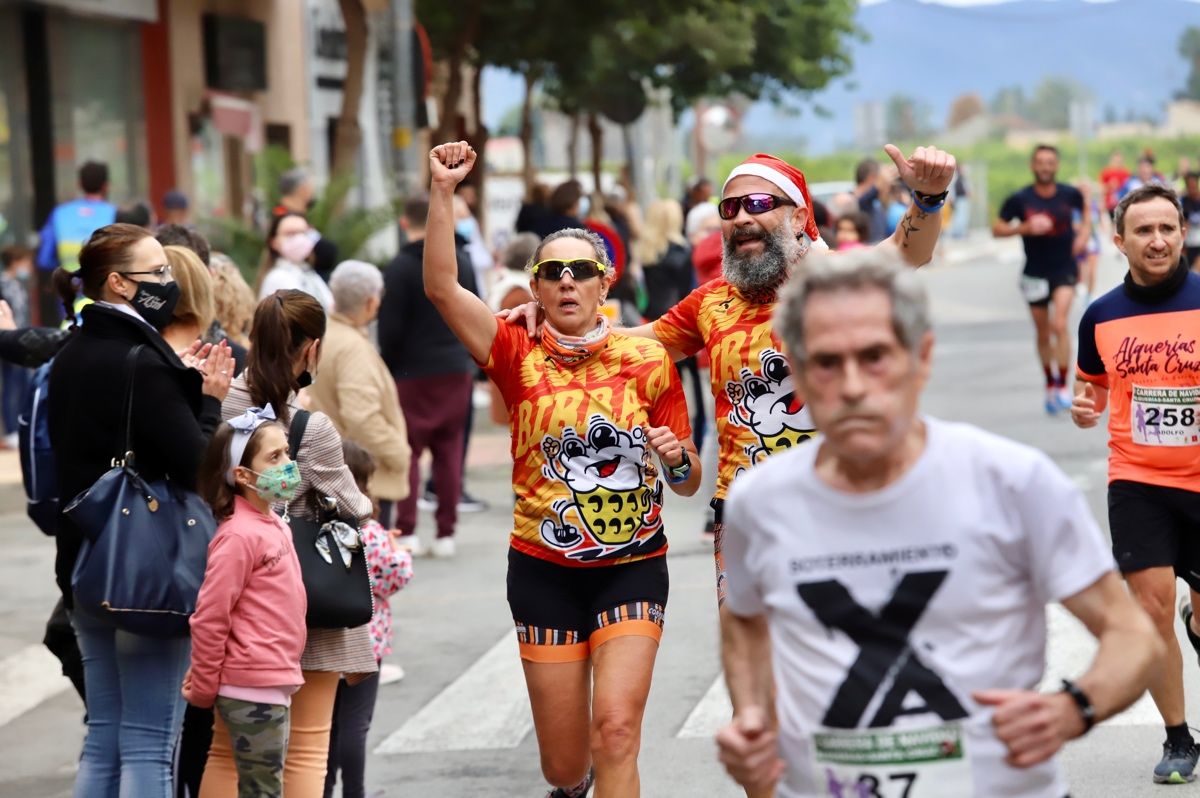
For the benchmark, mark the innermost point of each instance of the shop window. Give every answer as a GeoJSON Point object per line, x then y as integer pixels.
{"type": "Point", "coordinates": [98, 107]}
{"type": "Point", "coordinates": [16, 191]}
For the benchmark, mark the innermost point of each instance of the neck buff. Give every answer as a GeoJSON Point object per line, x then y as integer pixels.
{"type": "Point", "coordinates": [1159, 291]}
{"type": "Point", "coordinates": [567, 350]}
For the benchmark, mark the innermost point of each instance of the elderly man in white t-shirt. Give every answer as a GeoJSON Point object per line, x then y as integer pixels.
{"type": "Point", "coordinates": [887, 586]}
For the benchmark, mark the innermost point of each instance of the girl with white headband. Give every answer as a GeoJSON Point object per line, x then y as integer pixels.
{"type": "Point", "coordinates": [248, 630]}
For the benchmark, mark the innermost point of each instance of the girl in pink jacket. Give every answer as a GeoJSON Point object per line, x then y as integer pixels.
{"type": "Point", "coordinates": [248, 630]}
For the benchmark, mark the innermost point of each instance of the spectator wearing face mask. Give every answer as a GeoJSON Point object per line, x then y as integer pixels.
{"type": "Point", "coordinates": [287, 262]}
{"type": "Point", "coordinates": [297, 195]}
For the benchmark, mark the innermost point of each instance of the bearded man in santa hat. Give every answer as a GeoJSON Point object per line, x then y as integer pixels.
{"type": "Point", "coordinates": [768, 228]}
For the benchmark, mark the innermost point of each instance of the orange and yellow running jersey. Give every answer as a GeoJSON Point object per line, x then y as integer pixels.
{"type": "Point", "coordinates": [757, 412]}
{"type": "Point", "coordinates": [587, 490]}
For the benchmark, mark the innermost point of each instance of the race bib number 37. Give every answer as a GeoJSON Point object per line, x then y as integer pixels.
{"type": "Point", "coordinates": [893, 763]}
{"type": "Point", "coordinates": [1165, 416]}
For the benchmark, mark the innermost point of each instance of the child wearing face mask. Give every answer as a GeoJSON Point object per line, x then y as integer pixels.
{"type": "Point", "coordinates": [248, 631]}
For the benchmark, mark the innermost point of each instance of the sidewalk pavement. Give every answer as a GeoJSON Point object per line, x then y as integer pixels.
{"type": "Point", "coordinates": [12, 493]}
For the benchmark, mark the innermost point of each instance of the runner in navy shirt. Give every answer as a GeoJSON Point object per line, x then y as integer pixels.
{"type": "Point", "coordinates": [1049, 216]}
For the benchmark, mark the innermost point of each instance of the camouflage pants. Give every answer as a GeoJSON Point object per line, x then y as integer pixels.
{"type": "Point", "coordinates": [258, 735]}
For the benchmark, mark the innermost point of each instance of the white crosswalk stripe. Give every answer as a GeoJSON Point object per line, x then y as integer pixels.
{"type": "Point", "coordinates": [27, 678]}
{"type": "Point", "coordinates": [484, 708]}
{"type": "Point", "coordinates": [713, 711]}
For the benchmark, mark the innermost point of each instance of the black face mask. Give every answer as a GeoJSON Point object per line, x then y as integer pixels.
{"type": "Point", "coordinates": [155, 302]}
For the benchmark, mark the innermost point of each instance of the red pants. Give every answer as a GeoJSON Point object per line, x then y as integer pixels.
{"type": "Point", "coordinates": [435, 411]}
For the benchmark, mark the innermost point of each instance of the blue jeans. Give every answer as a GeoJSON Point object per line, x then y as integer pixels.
{"type": "Point", "coordinates": [135, 710]}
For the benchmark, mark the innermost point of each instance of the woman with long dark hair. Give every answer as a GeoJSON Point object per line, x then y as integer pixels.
{"type": "Point", "coordinates": [133, 701]}
{"type": "Point", "coordinates": [285, 349]}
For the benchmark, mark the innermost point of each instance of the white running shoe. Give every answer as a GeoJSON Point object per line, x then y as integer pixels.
{"type": "Point", "coordinates": [412, 543]}
{"type": "Point", "coordinates": [444, 548]}
{"type": "Point", "coordinates": [390, 674]}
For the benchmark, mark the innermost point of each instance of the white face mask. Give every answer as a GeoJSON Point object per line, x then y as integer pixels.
{"type": "Point", "coordinates": [297, 247]}
{"type": "Point", "coordinates": [585, 205]}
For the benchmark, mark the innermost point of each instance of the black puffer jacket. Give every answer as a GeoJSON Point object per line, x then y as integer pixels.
{"type": "Point", "coordinates": [172, 419]}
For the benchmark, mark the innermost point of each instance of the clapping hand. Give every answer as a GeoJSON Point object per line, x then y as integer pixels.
{"type": "Point", "coordinates": [214, 362]}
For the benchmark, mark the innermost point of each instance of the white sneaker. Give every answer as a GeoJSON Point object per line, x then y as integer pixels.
{"type": "Point", "coordinates": [444, 548]}
{"type": "Point", "coordinates": [390, 674]}
{"type": "Point", "coordinates": [412, 543]}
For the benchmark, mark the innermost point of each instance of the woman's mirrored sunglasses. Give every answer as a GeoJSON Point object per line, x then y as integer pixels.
{"type": "Point", "coordinates": [753, 203]}
{"type": "Point", "coordinates": [579, 268]}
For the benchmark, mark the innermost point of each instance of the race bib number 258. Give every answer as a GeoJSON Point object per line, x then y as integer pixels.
{"type": "Point", "coordinates": [1165, 416]}
{"type": "Point", "coordinates": [892, 763]}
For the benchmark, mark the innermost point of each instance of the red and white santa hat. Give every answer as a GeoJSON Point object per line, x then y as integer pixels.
{"type": "Point", "coordinates": [788, 179]}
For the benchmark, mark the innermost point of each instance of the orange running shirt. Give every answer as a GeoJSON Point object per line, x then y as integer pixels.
{"type": "Point", "coordinates": [757, 412]}
{"type": "Point", "coordinates": [1145, 348]}
{"type": "Point", "coordinates": [588, 490]}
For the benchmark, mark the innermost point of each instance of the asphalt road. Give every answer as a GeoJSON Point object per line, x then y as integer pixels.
{"type": "Point", "coordinates": [458, 725]}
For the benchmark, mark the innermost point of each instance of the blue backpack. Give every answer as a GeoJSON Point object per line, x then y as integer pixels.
{"type": "Point", "coordinates": [37, 457]}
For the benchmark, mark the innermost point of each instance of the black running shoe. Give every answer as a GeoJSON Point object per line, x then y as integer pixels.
{"type": "Point", "coordinates": [1178, 763]}
{"type": "Point", "coordinates": [559, 792]}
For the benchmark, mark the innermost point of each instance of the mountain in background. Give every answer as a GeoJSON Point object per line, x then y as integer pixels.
{"type": "Point", "coordinates": [1125, 52]}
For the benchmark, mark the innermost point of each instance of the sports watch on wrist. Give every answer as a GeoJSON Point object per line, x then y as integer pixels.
{"type": "Point", "coordinates": [680, 473]}
{"type": "Point", "coordinates": [1086, 711]}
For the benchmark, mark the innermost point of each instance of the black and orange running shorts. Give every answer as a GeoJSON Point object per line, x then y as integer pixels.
{"type": "Point", "coordinates": [563, 613]}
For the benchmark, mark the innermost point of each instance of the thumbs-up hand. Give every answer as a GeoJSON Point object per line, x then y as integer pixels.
{"type": "Point", "coordinates": [1083, 407]}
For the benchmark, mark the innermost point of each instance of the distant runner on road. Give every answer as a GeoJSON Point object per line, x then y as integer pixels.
{"type": "Point", "coordinates": [1044, 215]}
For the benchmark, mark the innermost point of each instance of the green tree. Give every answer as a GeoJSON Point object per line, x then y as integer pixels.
{"type": "Point", "coordinates": [1010, 101]}
{"type": "Point", "coordinates": [1189, 48]}
{"type": "Point", "coordinates": [596, 58]}
{"type": "Point", "coordinates": [905, 118]}
{"type": "Point", "coordinates": [1050, 107]}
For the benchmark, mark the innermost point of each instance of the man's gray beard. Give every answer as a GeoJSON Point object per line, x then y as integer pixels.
{"type": "Point", "coordinates": [754, 274]}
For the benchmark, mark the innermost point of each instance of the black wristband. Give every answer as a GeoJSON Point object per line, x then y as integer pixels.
{"type": "Point", "coordinates": [1086, 710]}
{"type": "Point", "coordinates": [931, 199]}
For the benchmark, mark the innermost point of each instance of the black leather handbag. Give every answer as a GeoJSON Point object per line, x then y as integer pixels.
{"type": "Point", "coordinates": [333, 562]}
{"type": "Point", "coordinates": [145, 544]}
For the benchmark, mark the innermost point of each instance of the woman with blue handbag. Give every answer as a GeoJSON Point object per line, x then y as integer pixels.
{"type": "Point", "coordinates": [164, 408]}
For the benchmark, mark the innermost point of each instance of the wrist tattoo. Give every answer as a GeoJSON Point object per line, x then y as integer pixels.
{"type": "Point", "coordinates": [908, 224]}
